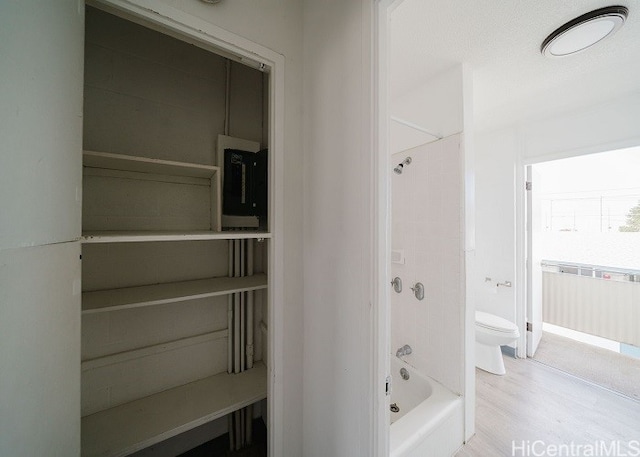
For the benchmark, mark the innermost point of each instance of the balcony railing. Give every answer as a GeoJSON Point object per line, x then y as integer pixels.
{"type": "Point", "coordinates": [592, 271]}
{"type": "Point", "coordinates": [594, 299]}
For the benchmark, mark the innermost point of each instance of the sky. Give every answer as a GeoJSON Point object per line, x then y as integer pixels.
{"type": "Point", "coordinates": [608, 170]}
{"type": "Point", "coordinates": [591, 193]}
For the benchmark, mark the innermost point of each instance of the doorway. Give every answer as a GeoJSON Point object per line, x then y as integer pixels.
{"type": "Point", "coordinates": [412, 113]}
{"type": "Point", "coordinates": [207, 47]}
{"type": "Point", "coordinates": [583, 246]}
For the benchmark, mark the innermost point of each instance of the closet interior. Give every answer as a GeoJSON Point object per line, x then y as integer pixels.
{"type": "Point", "coordinates": [176, 241]}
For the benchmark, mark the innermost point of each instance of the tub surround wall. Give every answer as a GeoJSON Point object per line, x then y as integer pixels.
{"type": "Point", "coordinates": [428, 225]}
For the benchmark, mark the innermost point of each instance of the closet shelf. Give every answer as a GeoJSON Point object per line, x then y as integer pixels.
{"type": "Point", "coordinates": [111, 161]}
{"type": "Point", "coordinates": [152, 236]}
{"type": "Point", "coordinates": [158, 294]}
{"type": "Point", "coordinates": [133, 354]}
{"type": "Point", "coordinates": [127, 428]}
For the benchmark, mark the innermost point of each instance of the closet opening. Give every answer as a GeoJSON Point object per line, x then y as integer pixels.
{"type": "Point", "coordinates": [179, 263]}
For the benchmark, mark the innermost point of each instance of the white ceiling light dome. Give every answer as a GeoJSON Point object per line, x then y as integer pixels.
{"type": "Point", "coordinates": [584, 31]}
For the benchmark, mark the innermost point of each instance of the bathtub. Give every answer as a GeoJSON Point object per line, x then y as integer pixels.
{"type": "Point", "coordinates": [430, 420]}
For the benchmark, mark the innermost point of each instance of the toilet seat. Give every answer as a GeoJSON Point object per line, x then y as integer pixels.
{"type": "Point", "coordinates": [495, 323]}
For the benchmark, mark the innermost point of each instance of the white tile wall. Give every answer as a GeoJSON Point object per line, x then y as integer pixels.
{"type": "Point", "coordinates": [427, 223]}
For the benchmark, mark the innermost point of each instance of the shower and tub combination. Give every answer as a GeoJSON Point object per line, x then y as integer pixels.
{"type": "Point", "coordinates": [427, 409]}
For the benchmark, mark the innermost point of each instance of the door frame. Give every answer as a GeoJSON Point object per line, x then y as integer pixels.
{"type": "Point", "coordinates": [522, 163]}
{"type": "Point", "coordinates": [381, 232]}
{"type": "Point", "coordinates": [381, 235]}
{"type": "Point", "coordinates": [191, 29]}
{"type": "Point", "coordinates": [533, 284]}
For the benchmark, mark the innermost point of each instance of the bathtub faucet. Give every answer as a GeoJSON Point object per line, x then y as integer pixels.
{"type": "Point", "coordinates": [404, 350]}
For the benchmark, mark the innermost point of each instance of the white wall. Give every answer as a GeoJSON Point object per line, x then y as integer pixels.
{"type": "Point", "coordinates": [40, 175]}
{"type": "Point", "coordinates": [436, 106]}
{"type": "Point", "coordinates": [41, 49]}
{"type": "Point", "coordinates": [501, 156]}
{"type": "Point", "coordinates": [338, 221]}
{"type": "Point", "coordinates": [495, 223]}
{"type": "Point", "coordinates": [40, 350]}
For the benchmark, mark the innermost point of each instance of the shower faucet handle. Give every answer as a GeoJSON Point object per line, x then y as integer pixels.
{"type": "Point", "coordinates": [404, 350]}
{"type": "Point", "coordinates": [397, 284]}
{"type": "Point", "coordinates": [418, 291]}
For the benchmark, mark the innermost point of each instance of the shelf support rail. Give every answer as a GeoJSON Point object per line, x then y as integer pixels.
{"type": "Point", "coordinates": [241, 349]}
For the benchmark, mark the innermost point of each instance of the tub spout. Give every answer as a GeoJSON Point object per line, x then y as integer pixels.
{"type": "Point", "coordinates": [404, 350]}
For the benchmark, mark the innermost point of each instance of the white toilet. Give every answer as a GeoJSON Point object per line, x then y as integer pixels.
{"type": "Point", "coordinates": [491, 333]}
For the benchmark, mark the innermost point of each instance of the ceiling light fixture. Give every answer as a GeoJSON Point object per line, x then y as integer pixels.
{"type": "Point", "coordinates": [584, 31]}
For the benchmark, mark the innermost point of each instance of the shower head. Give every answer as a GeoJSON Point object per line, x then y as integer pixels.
{"type": "Point", "coordinates": [398, 169]}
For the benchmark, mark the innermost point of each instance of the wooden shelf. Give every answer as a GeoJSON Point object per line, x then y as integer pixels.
{"type": "Point", "coordinates": [152, 236]}
{"type": "Point", "coordinates": [100, 167]}
{"type": "Point", "coordinates": [158, 294]}
{"type": "Point", "coordinates": [111, 161]}
{"type": "Point", "coordinates": [127, 428]}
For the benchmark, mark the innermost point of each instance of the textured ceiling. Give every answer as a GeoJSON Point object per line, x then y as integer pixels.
{"type": "Point", "coordinates": [500, 40]}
